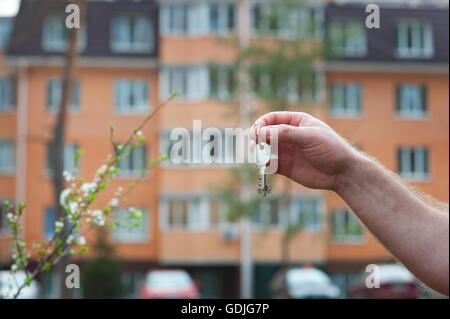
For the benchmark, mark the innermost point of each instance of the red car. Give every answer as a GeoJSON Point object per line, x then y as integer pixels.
{"type": "Point", "coordinates": [169, 284]}
{"type": "Point", "coordinates": [395, 282]}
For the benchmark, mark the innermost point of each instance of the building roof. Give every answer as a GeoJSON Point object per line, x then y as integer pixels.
{"type": "Point", "coordinates": [26, 37]}
{"type": "Point", "coordinates": [382, 42]}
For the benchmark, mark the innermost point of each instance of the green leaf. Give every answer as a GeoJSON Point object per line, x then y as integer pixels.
{"type": "Point", "coordinates": [174, 94]}
{"type": "Point", "coordinates": [29, 280]}
{"type": "Point", "coordinates": [47, 266]}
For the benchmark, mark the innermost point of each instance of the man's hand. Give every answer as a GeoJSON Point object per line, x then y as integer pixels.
{"type": "Point", "coordinates": [312, 154]}
{"type": "Point", "coordinates": [309, 151]}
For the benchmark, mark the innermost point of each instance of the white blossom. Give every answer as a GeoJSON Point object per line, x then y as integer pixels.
{"type": "Point", "coordinates": [67, 176]}
{"type": "Point", "coordinates": [80, 240]}
{"type": "Point", "coordinates": [114, 202]}
{"type": "Point", "coordinates": [14, 267]}
{"type": "Point", "coordinates": [88, 188]}
{"type": "Point", "coordinates": [70, 239]}
{"type": "Point", "coordinates": [139, 133]}
{"type": "Point", "coordinates": [119, 191]}
{"type": "Point", "coordinates": [102, 170]}
{"type": "Point", "coordinates": [58, 226]}
{"type": "Point", "coordinates": [63, 196]}
{"type": "Point", "coordinates": [10, 217]}
{"type": "Point", "coordinates": [73, 207]}
{"type": "Point", "coordinates": [99, 219]}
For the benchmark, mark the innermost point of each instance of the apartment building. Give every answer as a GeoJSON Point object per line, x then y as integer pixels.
{"type": "Point", "coordinates": [116, 82]}
{"type": "Point", "coordinates": [385, 90]}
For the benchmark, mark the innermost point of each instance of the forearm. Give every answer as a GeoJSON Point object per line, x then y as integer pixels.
{"type": "Point", "coordinates": [412, 230]}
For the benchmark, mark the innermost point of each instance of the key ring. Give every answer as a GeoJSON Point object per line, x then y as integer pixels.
{"type": "Point", "coordinates": [257, 135]}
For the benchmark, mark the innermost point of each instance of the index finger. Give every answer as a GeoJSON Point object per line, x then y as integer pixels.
{"type": "Point", "coordinates": [282, 117]}
{"type": "Point", "coordinates": [278, 118]}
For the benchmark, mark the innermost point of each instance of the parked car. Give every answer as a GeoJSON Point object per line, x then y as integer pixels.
{"type": "Point", "coordinates": [169, 284]}
{"type": "Point", "coordinates": [303, 283]}
{"type": "Point", "coordinates": [395, 282]}
{"type": "Point", "coordinates": [9, 285]}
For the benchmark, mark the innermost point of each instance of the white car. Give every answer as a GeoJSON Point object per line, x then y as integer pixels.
{"type": "Point", "coordinates": [303, 283]}
{"type": "Point", "coordinates": [9, 284]}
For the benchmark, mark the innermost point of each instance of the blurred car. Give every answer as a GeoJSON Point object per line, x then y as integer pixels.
{"type": "Point", "coordinates": [395, 282]}
{"type": "Point", "coordinates": [303, 283]}
{"type": "Point", "coordinates": [9, 284]}
{"type": "Point", "coordinates": [169, 284]}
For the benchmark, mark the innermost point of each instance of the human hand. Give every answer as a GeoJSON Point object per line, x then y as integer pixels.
{"type": "Point", "coordinates": [309, 151]}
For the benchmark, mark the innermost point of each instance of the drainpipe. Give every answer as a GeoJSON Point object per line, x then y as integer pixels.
{"type": "Point", "coordinates": [246, 255]}
{"type": "Point", "coordinates": [21, 138]}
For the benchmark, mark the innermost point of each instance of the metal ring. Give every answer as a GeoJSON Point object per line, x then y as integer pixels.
{"type": "Point", "coordinates": [257, 135]}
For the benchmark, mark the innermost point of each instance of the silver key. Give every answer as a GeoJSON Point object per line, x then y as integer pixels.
{"type": "Point", "coordinates": [262, 157]}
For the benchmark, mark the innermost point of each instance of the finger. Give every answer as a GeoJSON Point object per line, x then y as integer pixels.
{"type": "Point", "coordinates": [277, 118]}
{"type": "Point", "coordinates": [286, 134]}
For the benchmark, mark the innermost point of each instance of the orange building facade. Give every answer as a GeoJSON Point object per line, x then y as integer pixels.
{"type": "Point", "coordinates": [392, 105]}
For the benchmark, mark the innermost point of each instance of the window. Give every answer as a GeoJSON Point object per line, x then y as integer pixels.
{"type": "Point", "coordinates": [189, 212]}
{"type": "Point", "coordinates": [68, 157]}
{"type": "Point", "coordinates": [7, 157]}
{"type": "Point", "coordinates": [7, 95]}
{"type": "Point", "coordinates": [305, 212]}
{"type": "Point", "coordinates": [298, 86]}
{"type": "Point", "coordinates": [413, 162]}
{"type": "Point", "coordinates": [415, 39]}
{"type": "Point", "coordinates": [54, 95]}
{"type": "Point", "coordinates": [217, 146]}
{"type": "Point", "coordinates": [269, 214]}
{"type": "Point", "coordinates": [348, 38]}
{"type": "Point", "coordinates": [411, 100]}
{"type": "Point", "coordinates": [49, 223]}
{"type": "Point", "coordinates": [345, 99]}
{"type": "Point", "coordinates": [132, 34]}
{"type": "Point", "coordinates": [197, 18]}
{"type": "Point", "coordinates": [222, 82]}
{"type": "Point", "coordinates": [293, 21]}
{"type": "Point", "coordinates": [55, 34]}
{"type": "Point", "coordinates": [124, 233]}
{"type": "Point", "coordinates": [5, 31]}
{"type": "Point", "coordinates": [192, 82]}
{"type": "Point", "coordinates": [134, 163]}
{"type": "Point", "coordinates": [346, 227]}
{"type": "Point", "coordinates": [4, 228]}
{"type": "Point", "coordinates": [131, 96]}
{"type": "Point", "coordinates": [221, 17]}
{"type": "Point", "coordinates": [174, 19]}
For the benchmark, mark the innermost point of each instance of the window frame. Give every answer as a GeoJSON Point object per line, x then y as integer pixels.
{"type": "Point", "coordinates": [133, 173]}
{"type": "Point", "coordinates": [9, 86]}
{"type": "Point", "coordinates": [410, 27]}
{"type": "Point", "coordinates": [340, 38]}
{"type": "Point", "coordinates": [67, 149]}
{"type": "Point", "coordinates": [54, 84]}
{"type": "Point", "coordinates": [128, 89]}
{"type": "Point", "coordinates": [129, 29]}
{"type": "Point", "coordinates": [409, 111]}
{"type": "Point", "coordinates": [198, 211]}
{"type": "Point", "coordinates": [408, 158]}
{"type": "Point", "coordinates": [121, 238]}
{"type": "Point", "coordinates": [346, 219]}
{"type": "Point", "coordinates": [4, 229]}
{"type": "Point", "coordinates": [8, 170]}
{"type": "Point", "coordinates": [349, 92]}
{"type": "Point", "coordinates": [48, 42]}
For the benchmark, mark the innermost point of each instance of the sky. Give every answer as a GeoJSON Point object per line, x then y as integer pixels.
{"type": "Point", "coordinates": [9, 7]}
